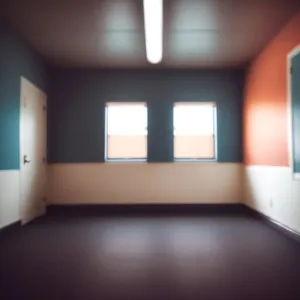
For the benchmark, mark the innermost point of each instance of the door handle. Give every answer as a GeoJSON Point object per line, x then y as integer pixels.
{"type": "Point", "coordinates": [25, 160]}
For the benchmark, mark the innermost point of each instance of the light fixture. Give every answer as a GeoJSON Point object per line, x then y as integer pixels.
{"type": "Point", "coordinates": [153, 16]}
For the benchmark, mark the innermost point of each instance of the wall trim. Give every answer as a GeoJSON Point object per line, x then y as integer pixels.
{"type": "Point", "coordinates": [131, 209]}
{"type": "Point", "coordinates": [160, 209]}
{"type": "Point", "coordinates": [145, 162]}
{"type": "Point", "coordinates": [287, 231]}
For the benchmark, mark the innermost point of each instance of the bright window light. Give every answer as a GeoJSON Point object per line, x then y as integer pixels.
{"type": "Point", "coordinates": [194, 131]}
{"type": "Point", "coordinates": [153, 16]}
{"type": "Point", "coordinates": [126, 131]}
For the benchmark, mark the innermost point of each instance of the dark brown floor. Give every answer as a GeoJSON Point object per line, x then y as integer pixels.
{"type": "Point", "coordinates": [201, 255]}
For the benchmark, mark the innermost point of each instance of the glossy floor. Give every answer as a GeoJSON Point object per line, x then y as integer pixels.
{"type": "Point", "coordinates": [166, 255]}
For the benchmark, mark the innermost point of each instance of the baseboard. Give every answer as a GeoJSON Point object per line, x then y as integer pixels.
{"type": "Point", "coordinates": [159, 209]}
{"type": "Point", "coordinates": [11, 227]}
{"type": "Point", "coordinates": [287, 231]}
{"type": "Point", "coordinates": [144, 209]}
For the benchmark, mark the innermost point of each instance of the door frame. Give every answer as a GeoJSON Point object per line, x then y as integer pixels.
{"type": "Point", "coordinates": [291, 55]}
{"type": "Point", "coordinates": [22, 81]}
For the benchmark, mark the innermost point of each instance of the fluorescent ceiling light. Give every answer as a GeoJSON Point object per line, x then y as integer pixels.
{"type": "Point", "coordinates": [153, 16]}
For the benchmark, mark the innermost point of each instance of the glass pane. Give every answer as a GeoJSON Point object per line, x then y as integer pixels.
{"type": "Point", "coordinates": [127, 147]}
{"type": "Point", "coordinates": [193, 119]}
{"type": "Point", "coordinates": [127, 131]}
{"type": "Point", "coordinates": [127, 120]}
{"type": "Point", "coordinates": [194, 147]}
{"type": "Point", "coordinates": [194, 130]}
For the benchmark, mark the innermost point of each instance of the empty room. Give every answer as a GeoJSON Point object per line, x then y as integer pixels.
{"type": "Point", "coordinates": [149, 149]}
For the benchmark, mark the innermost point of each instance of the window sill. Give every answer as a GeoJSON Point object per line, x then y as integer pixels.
{"type": "Point", "coordinates": [195, 160]}
{"type": "Point", "coordinates": [121, 160]}
{"type": "Point", "coordinates": [161, 162]}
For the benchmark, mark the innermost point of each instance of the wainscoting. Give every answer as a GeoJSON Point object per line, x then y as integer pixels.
{"type": "Point", "coordinates": [273, 192]}
{"type": "Point", "coordinates": [9, 197]}
{"type": "Point", "coordinates": [134, 183]}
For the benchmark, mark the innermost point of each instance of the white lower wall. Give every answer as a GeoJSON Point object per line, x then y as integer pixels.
{"type": "Point", "coordinates": [9, 197]}
{"type": "Point", "coordinates": [133, 183]}
{"type": "Point", "coordinates": [269, 190]}
{"type": "Point", "coordinates": [273, 192]}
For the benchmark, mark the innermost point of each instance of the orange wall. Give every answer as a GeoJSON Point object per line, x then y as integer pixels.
{"type": "Point", "coordinates": [265, 107]}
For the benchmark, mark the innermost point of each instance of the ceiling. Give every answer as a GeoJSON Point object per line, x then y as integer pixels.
{"type": "Point", "coordinates": [110, 33]}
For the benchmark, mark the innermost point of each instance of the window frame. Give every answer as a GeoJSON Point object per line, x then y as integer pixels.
{"type": "Point", "coordinates": [290, 57]}
{"type": "Point", "coordinates": [215, 134]}
{"type": "Point", "coordinates": [106, 159]}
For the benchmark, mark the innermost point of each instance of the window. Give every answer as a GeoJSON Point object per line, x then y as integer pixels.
{"type": "Point", "coordinates": [194, 131]}
{"type": "Point", "coordinates": [126, 131]}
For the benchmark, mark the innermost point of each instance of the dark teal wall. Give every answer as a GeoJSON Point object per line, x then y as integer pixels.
{"type": "Point", "coordinates": [16, 60]}
{"type": "Point", "coordinates": [78, 97]}
{"type": "Point", "coordinates": [296, 112]}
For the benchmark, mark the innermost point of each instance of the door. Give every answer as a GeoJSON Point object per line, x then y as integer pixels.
{"type": "Point", "coordinates": [32, 152]}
